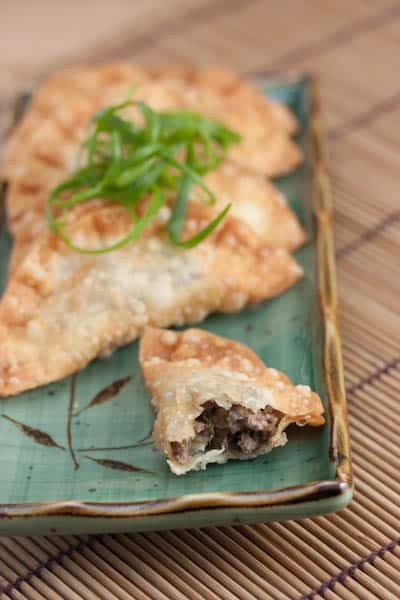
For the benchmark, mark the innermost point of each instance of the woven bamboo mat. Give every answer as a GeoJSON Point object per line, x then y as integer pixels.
{"type": "Point", "coordinates": [354, 46]}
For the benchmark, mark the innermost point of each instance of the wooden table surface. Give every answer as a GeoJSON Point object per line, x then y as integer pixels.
{"type": "Point", "coordinates": [354, 47]}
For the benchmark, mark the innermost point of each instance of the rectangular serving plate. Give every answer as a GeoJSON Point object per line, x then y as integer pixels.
{"type": "Point", "coordinates": [67, 473]}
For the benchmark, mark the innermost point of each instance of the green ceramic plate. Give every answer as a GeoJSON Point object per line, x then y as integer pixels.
{"type": "Point", "coordinates": [67, 473]}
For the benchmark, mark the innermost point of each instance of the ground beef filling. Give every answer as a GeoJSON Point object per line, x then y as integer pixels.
{"type": "Point", "coordinates": [238, 430]}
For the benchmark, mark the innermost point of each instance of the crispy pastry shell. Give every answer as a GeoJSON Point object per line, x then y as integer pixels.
{"type": "Point", "coordinates": [43, 149]}
{"type": "Point", "coordinates": [184, 370]}
{"type": "Point", "coordinates": [61, 309]}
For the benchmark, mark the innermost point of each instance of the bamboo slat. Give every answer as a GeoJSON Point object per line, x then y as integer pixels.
{"type": "Point", "coordinates": [354, 48]}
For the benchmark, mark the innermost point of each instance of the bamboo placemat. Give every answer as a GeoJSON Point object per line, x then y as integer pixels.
{"type": "Point", "coordinates": [354, 47]}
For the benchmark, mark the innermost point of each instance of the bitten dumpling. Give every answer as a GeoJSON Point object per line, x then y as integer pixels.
{"type": "Point", "coordinates": [216, 400]}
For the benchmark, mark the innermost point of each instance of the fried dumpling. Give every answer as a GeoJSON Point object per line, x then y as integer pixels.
{"type": "Point", "coordinates": [61, 309]}
{"type": "Point", "coordinates": [44, 148]}
{"type": "Point", "coordinates": [216, 400]}
{"type": "Point", "coordinates": [255, 200]}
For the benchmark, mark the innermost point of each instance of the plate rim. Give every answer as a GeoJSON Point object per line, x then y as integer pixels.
{"type": "Point", "coordinates": [341, 486]}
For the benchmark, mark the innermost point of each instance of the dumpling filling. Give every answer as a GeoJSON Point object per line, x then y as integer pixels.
{"type": "Point", "coordinates": [239, 431]}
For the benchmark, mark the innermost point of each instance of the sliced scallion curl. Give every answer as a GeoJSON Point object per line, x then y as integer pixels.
{"type": "Point", "coordinates": [193, 175]}
{"type": "Point", "coordinates": [130, 175]}
{"type": "Point", "coordinates": [122, 163]}
{"type": "Point", "coordinates": [177, 219]}
{"type": "Point", "coordinates": [201, 235]}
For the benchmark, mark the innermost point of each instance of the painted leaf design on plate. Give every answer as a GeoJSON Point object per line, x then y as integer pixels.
{"type": "Point", "coordinates": [117, 465]}
{"type": "Point", "coordinates": [106, 394]}
{"type": "Point", "coordinates": [38, 436]}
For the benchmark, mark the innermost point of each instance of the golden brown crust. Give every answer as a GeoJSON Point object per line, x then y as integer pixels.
{"type": "Point", "coordinates": [43, 149]}
{"type": "Point", "coordinates": [257, 202]}
{"type": "Point", "coordinates": [185, 370]}
{"type": "Point", "coordinates": [213, 351]}
{"type": "Point", "coordinates": [254, 200]}
{"type": "Point", "coordinates": [61, 309]}
{"type": "Point", "coordinates": [231, 87]}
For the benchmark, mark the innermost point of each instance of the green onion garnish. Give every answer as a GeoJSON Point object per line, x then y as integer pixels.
{"type": "Point", "coordinates": [167, 156]}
